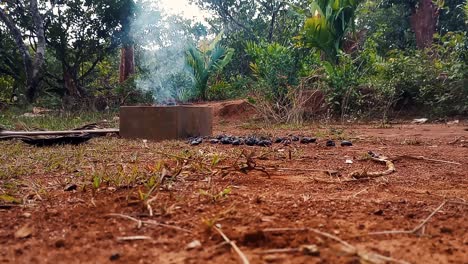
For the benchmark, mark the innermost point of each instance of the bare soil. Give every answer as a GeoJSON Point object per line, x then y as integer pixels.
{"type": "Point", "coordinates": [75, 226]}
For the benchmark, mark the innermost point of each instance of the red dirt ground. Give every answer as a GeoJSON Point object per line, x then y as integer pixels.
{"type": "Point", "coordinates": [75, 226]}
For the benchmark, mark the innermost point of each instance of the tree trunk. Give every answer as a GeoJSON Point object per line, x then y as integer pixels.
{"type": "Point", "coordinates": [424, 22]}
{"type": "Point", "coordinates": [127, 63]}
{"type": "Point", "coordinates": [40, 52]}
{"type": "Point", "coordinates": [69, 81]}
{"type": "Point", "coordinates": [32, 67]}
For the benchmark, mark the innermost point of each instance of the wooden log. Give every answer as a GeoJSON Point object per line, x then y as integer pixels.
{"type": "Point", "coordinates": [57, 133]}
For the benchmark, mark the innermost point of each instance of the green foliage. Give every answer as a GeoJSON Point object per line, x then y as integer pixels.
{"type": "Point", "coordinates": [214, 196]}
{"type": "Point", "coordinates": [327, 24]}
{"type": "Point", "coordinates": [387, 26]}
{"type": "Point", "coordinates": [433, 83]}
{"type": "Point", "coordinates": [274, 65]}
{"type": "Point", "coordinates": [343, 81]}
{"type": "Point", "coordinates": [206, 61]}
{"type": "Point", "coordinates": [127, 93]}
{"type": "Point", "coordinates": [6, 91]}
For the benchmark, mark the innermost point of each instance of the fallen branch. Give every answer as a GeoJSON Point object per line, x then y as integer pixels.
{"type": "Point", "coordinates": [56, 133]}
{"type": "Point", "coordinates": [234, 246]}
{"type": "Point", "coordinates": [382, 159]}
{"type": "Point", "coordinates": [456, 140]}
{"type": "Point", "coordinates": [426, 159]}
{"type": "Point", "coordinates": [367, 256]}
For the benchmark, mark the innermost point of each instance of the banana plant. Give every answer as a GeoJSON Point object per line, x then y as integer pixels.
{"type": "Point", "coordinates": [205, 61]}
{"type": "Point", "coordinates": [326, 25]}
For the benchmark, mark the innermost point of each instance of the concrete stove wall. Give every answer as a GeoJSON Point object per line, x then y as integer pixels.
{"type": "Point", "coordinates": [165, 122]}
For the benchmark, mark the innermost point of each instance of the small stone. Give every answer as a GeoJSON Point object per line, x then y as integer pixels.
{"type": "Point", "coordinates": [346, 143]}
{"type": "Point", "coordinates": [114, 257]}
{"type": "Point", "coordinates": [294, 138]}
{"type": "Point", "coordinates": [330, 143]}
{"type": "Point", "coordinates": [193, 245]}
{"type": "Point", "coordinates": [311, 250]}
{"type": "Point", "coordinates": [214, 141]}
{"type": "Point", "coordinates": [379, 212]}
{"type": "Point", "coordinates": [70, 187]}
{"type": "Point", "coordinates": [27, 215]}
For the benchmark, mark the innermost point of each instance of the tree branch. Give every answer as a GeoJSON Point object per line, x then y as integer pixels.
{"type": "Point", "coordinates": [18, 37]}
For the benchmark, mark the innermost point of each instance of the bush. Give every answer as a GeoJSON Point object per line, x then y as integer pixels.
{"type": "Point", "coordinates": [431, 81]}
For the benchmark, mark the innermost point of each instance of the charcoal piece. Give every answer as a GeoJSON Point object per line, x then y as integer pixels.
{"type": "Point", "coordinates": [330, 143]}
{"type": "Point", "coordinates": [237, 142]}
{"type": "Point", "coordinates": [214, 141]}
{"type": "Point", "coordinates": [308, 140]}
{"type": "Point", "coordinates": [346, 143]}
{"type": "Point", "coordinates": [60, 140]}
{"type": "Point", "coordinates": [278, 140]}
{"type": "Point", "coordinates": [295, 138]}
{"type": "Point", "coordinates": [251, 141]}
{"type": "Point", "coordinates": [226, 141]}
{"type": "Point", "coordinates": [264, 143]}
{"type": "Point", "coordinates": [196, 141]}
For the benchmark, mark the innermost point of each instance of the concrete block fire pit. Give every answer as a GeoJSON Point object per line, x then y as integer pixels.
{"type": "Point", "coordinates": [165, 122]}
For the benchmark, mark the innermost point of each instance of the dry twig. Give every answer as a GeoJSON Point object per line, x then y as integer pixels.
{"type": "Point", "coordinates": [426, 159]}
{"type": "Point", "coordinates": [242, 256]}
{"type": "Point", "coordinates": [415, 230]}
{"type": "Point", "coordinates": [371, 257]}
{"type": "Point", "coordinates": [140, 223]}
{"type": "Point", "coordinates": [131, 238]}
{"type": "Point", "coordinates": [382, 159]}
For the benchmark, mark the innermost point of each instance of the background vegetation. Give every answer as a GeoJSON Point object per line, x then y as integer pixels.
{"type": "Point", "coordinates": [292, 59]}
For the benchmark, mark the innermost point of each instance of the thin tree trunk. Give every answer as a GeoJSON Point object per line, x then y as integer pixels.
{"type": "Point", "coordinates": [127, 63]}
{"type": "Point", "coordinates": [424, 22]}
{"type": "Point", "coordinates": [32, 67]}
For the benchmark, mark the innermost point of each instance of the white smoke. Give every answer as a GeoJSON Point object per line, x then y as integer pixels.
{"type": "Point", "coordinates": [162, 40]}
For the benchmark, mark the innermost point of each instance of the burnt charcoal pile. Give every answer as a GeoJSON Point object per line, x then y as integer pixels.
{"type": "Point", "coordinates": [261, 141]}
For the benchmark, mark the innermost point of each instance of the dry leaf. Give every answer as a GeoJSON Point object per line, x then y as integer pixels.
{"type": "Point", "coordinates": [24, 232]}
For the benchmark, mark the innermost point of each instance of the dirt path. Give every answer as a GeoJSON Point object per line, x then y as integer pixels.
{"type": "Point", "coordinates": [112, 177]}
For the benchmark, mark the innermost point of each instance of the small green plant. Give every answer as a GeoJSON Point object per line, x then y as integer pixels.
{"type": "Point", "coordinates": [97, 180]}
{"type": "Point", "coordinates": [10, 199]}
{"type": "Point", "coordinates": [215, 196]}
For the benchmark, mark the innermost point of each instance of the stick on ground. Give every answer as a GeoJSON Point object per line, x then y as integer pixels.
{"type": "Point", "coordinates": [382, 159]}
{"type": "Point", "coordinates": [131, 238]}
{"type": "Point", "coordinates": [140, 223]}
{"type": "Point", "coordinates": [242, 256]}
{"type": "Point", "coordinates": [370, 257]}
